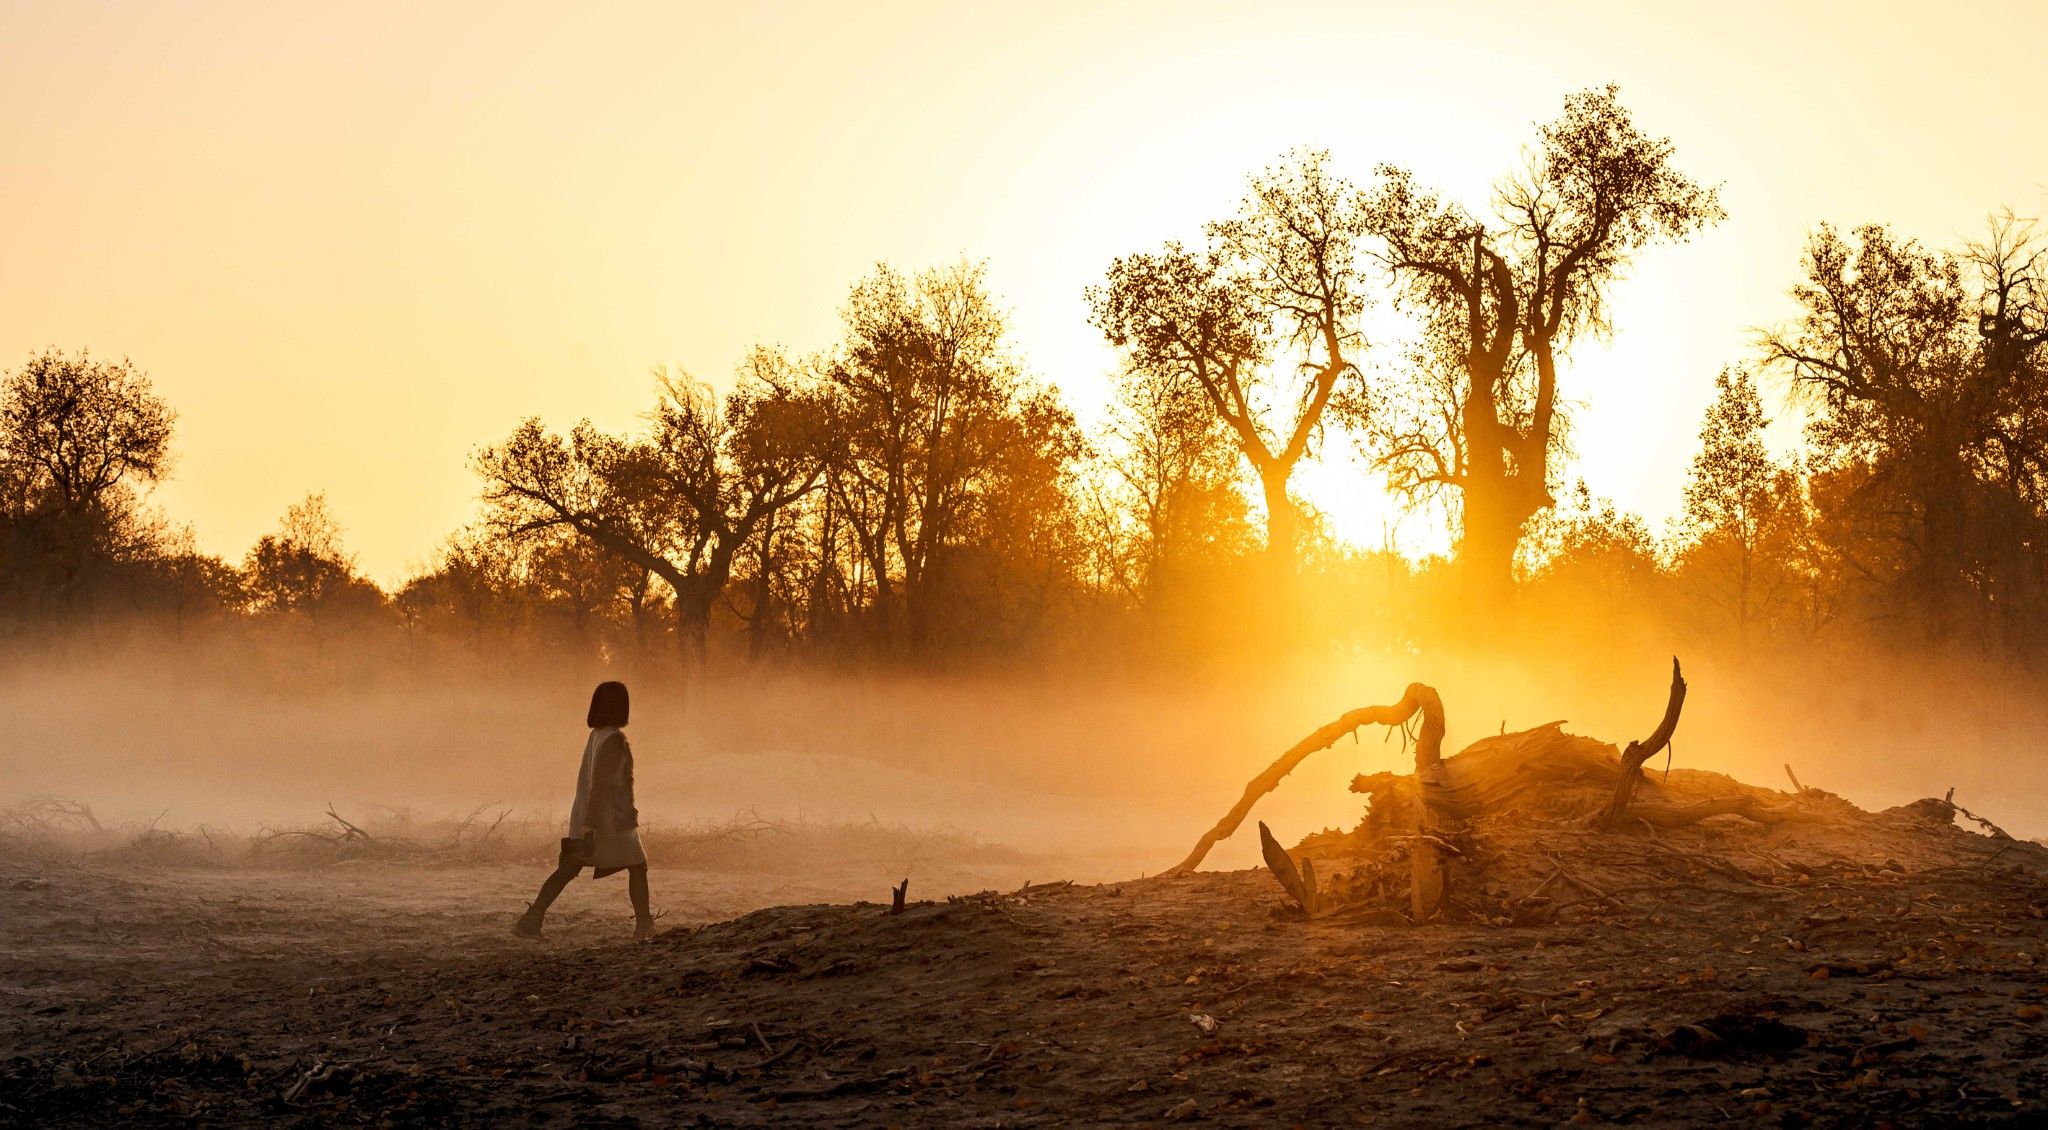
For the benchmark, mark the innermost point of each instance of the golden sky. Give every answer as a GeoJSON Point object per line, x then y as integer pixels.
{"type": "Point", "coordinates": [351, 242]}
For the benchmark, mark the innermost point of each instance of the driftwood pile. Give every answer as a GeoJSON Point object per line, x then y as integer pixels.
{"type": "Point", "coordinates": [1498, 821]}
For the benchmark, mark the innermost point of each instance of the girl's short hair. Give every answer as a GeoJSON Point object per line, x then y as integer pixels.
{"type": "Point", "coordinates": [609, 705]}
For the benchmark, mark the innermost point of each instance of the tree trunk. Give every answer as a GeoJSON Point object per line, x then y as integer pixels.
{"type": "Point", "coordinates": [693, 624]}
{"type": "Point", "coordinates": [1283, 523]}
{"type": "Point", "coordinates": [695, 594]}
{"type": "Point", "coordinates": [639, 607]}
{"type": "Point", "coordinates": [764, 595]}
{"type": "Point", "coordinates": [1486, 548]}
{"type": "Point", "coordinates": [822, 614]}
{"type": "Point", "coordinates": [1941, 566]}
{"type": "Point", "coordinates": [916, 611]}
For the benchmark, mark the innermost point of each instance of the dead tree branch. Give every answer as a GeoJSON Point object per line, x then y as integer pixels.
{"type": "Point", "coordinates": [1429, 878]}
{"type": "Point", "coordinates": [1429, 750]}
{"type": "Point", "coordinates": [1632, 758]}
{"type": "Point", "coordinates": [1997, 833]}
{"type": "Point", "coordinates": [349, 831]}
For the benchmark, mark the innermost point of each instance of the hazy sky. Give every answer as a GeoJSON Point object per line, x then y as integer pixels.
{"type": "Point", "coordinates": [351, 243]}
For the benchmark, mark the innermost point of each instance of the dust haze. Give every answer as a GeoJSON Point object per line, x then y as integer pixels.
{"type": "Point", "coordinates": [1112, 770]}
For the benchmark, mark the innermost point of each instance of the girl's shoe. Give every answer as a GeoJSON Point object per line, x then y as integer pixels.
{"type": "Point", "coordinates": [528, 925]}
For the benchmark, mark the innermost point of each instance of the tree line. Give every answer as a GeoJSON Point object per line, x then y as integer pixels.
{"type": "Point", "coordinates": [913, 493]}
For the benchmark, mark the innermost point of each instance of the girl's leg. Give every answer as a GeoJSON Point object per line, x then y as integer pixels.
{"type": "Point", "coordinates": [636, 887]}
{"type": "Point", "coordinates": [550, 889]}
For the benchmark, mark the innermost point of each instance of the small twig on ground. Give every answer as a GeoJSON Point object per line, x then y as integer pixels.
{"type": "Point", "coordinates": [1986, 861]}
{"type": "Point", "coordinates": [1581, 884]}
{"type": "Point", "coordinates": [494, 825]}
{"type": "Point", "coordinates": [320, 1072]}
{"type": "Point", "coordinates": [788, 1050]}
{"type": "Point", "coordinates": [463, 826]}
{"type": "Point", "coordinates": [1718, 866]}
{"type": "Point", "coordinates": [349, 830]}
{"type": "Point", "coordinates": [271, 834]}
{"type": "Point", "coordinates": [1441, 844]}
{"type": "Point", "coordinates": [1545, 885]}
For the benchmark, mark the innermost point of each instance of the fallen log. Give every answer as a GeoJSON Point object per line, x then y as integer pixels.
{"type": "Point", "coordinates": [1748, 807]}
{"type": "Point", "coordinates": [1429, 744]}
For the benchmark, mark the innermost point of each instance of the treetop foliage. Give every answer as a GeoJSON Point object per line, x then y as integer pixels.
{"type": "Point", "coordinates": [912, 493]}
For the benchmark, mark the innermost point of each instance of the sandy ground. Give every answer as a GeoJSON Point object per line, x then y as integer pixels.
{"type": "Point", "coordinates": [1847, 993]}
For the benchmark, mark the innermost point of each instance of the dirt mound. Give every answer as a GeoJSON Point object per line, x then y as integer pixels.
{"type": "Point", "coordinates": [1519, 828]}
{"type": "Point", "coordinates": [1527, 848]}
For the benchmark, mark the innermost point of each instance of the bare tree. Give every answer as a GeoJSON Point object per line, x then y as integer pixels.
{"type": "Point", "coordinates": [1929, 370]}
{"type": "Point", "coordinates": [1502, 300]}
{"type": "Point", "coordinates": [678, 503]}
{"type": "Point", "coordinates": [1177, 477]}
{"type": "Point", "coordinates": [1743, 511]}
{"type": "Point", "coordinates": [304, 568]}
{"type": "Point", "coordinates": [1264, 322]}
{"type": "Point", "coordinates": [79, 441]}
{"type": "Point", "coordinates": [937, 431]}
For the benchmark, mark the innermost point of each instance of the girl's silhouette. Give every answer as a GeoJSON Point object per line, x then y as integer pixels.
{"type": "Point", "coordinates": [604, 825]}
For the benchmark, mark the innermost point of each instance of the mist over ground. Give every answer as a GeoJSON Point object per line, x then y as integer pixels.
{"type": "Point", "coordinates": [897, 577]}
{"type": "Point", "coordinates": [1122, 766]}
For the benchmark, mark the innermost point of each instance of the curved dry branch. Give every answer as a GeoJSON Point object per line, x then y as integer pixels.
{"type": "Point", "coordinates": [1637, 753]}
{"type": "Point", "coordinates": [1428, 751]}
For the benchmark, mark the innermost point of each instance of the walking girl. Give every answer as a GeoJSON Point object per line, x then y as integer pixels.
{"type": "Point", "coordinates": [604, 824]}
